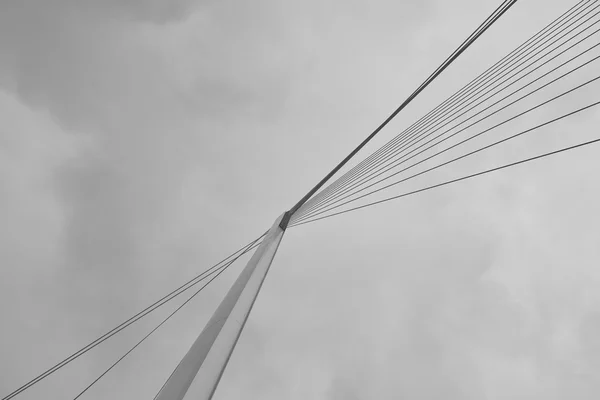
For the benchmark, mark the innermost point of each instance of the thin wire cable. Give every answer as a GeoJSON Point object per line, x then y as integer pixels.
{"type": "Point", "coordinates": [344, 194]}
{"type": "Point", "coordinates": [383, 150]}
{"type": "Point", "coordinates": [308, 209]}
{"type": "Point", "coordinates": [482, 148]}
{"type": "Point", "coordinates": [505, 6]}
{"type": "Point", "coordinates": [122, 326]}
{"type": "Point", "coordinates": [466, 177]}
{"type": "Point", "coordinates": [222, 269]}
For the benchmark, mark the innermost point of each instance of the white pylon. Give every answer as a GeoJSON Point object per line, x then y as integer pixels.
{"type": "Point", "coordinates": [198, 374]}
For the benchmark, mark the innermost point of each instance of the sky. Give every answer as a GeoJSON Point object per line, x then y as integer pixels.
{"type": "Point", "coordinates": [142, 141]}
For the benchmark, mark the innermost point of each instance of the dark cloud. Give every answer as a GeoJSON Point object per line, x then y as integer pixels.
{"type": "Point", "coordinates": [141, 141]}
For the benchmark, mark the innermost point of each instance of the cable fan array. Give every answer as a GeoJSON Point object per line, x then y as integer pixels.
{"type": "Point", "coordinates": [565, 50]}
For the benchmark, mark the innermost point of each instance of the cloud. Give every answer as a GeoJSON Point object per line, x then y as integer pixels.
{"type": "Point", "coordinates": [141, 141]}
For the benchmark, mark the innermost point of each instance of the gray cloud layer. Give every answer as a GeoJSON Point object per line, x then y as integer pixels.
{"type": "Point", "coordinates": [141, 141]}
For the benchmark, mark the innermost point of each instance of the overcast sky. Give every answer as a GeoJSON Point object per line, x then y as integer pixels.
{"type": "Point", "coordinates": [141, 141]}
